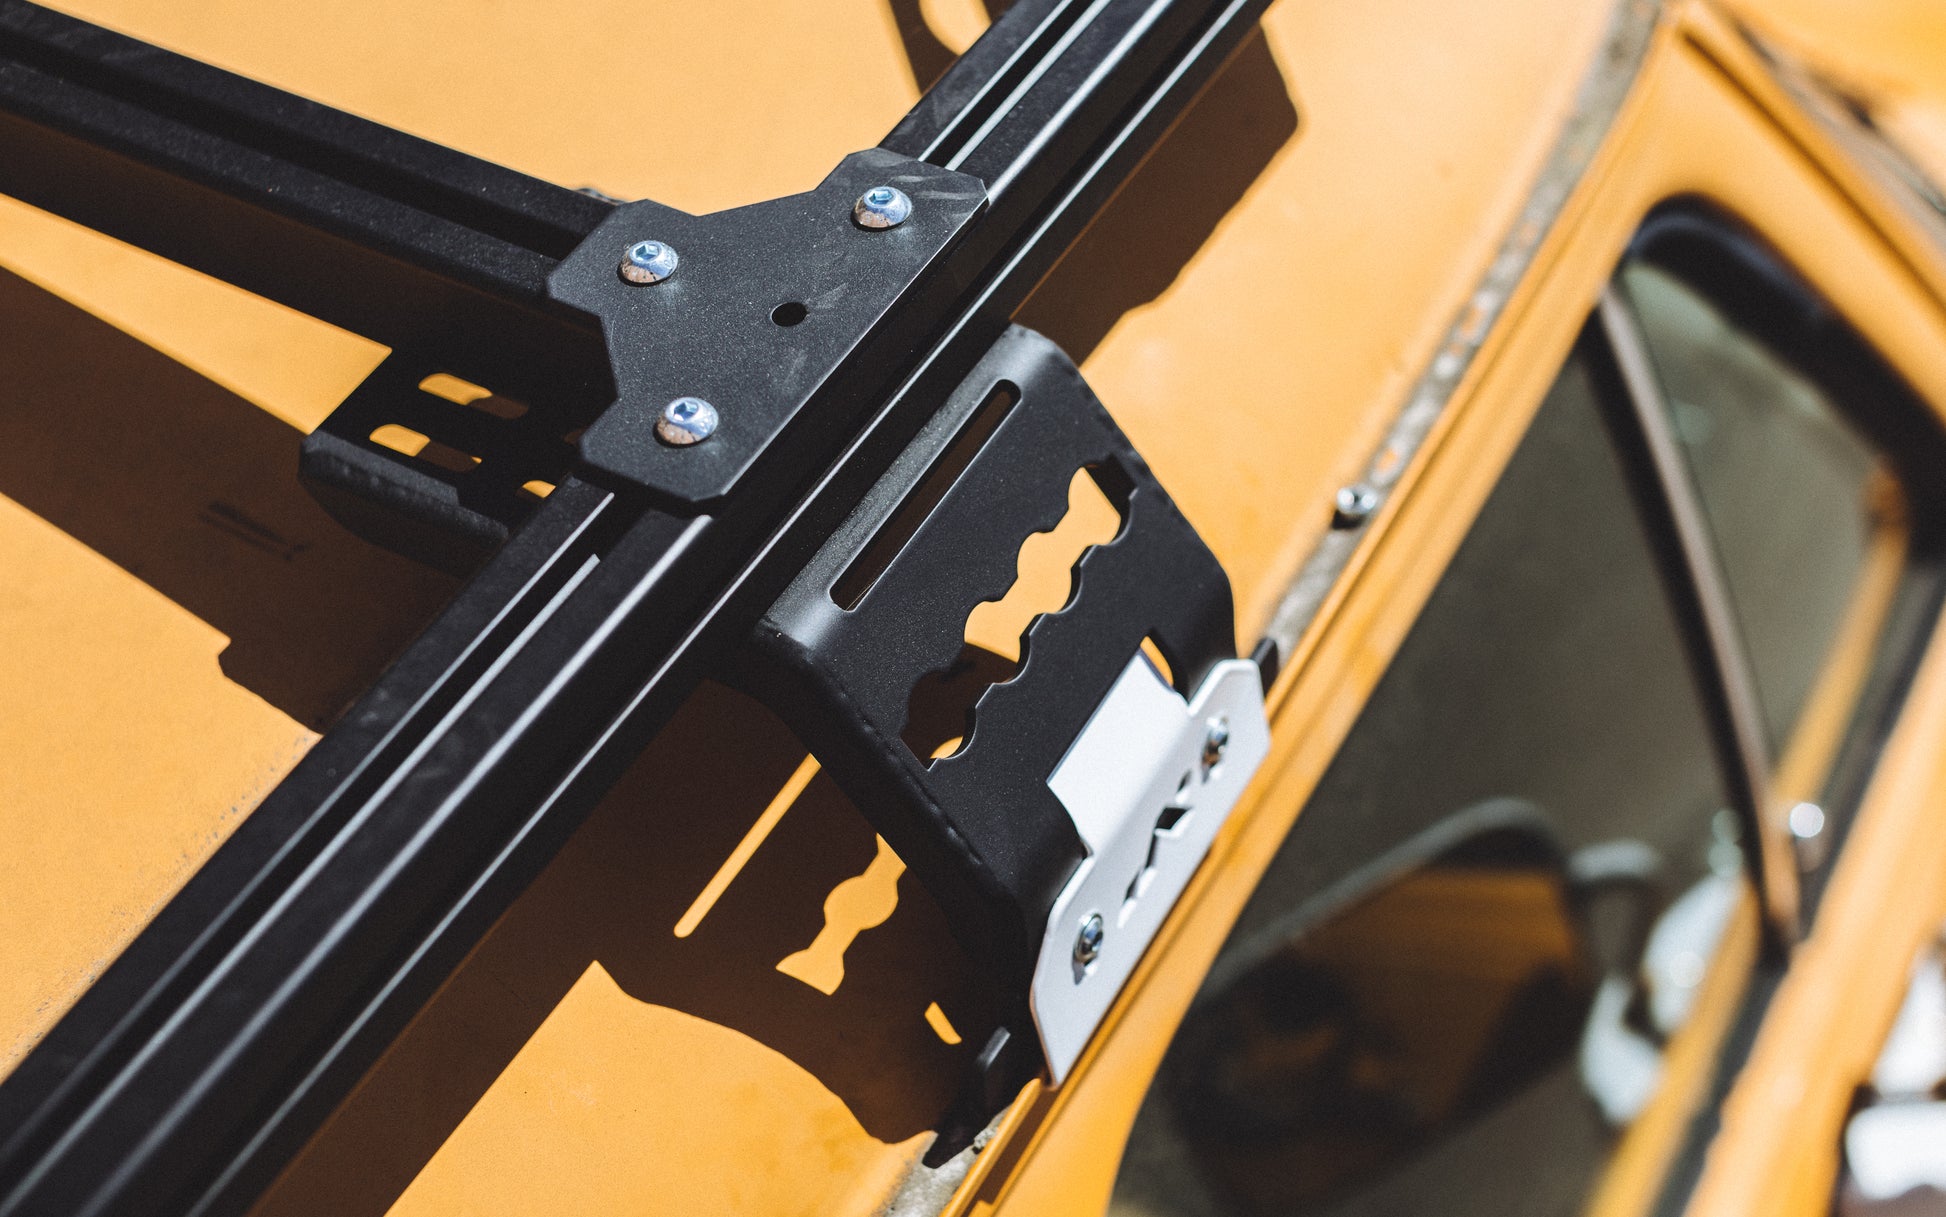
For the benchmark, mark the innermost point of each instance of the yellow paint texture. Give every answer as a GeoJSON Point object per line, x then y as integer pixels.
{"type": "Point", "coordinates": [630, 1127]}
{"type": "Point", "coordinates": [180, 618]}
{"type": "Point", "coordinates": [1778, 1137]}
{"type": "Point", "coordinates": [733, 101]}
{"type": "Point", "coordinates": [585, 1059]}
{"type": "Point", "coordinates": [1351, 203]}
{"type": "Point", "coordinates": [107, 684]}
{"type": "Point", "coordinates": [1896, 46]}
{"type": "Point", "coordinates": [1252, 309]}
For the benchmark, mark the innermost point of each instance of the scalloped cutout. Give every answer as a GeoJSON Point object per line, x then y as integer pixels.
{"type": "Point", "coordinates": [939, 714]}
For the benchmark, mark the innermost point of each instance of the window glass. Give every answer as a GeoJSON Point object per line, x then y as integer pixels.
{"type": "Point", "coordinates": [1794, 495]}
{"type": "Point", "coordinates": [1452, 990]}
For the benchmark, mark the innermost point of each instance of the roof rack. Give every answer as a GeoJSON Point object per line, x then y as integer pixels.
{"type": "Point", "coordinates": [206, 1055]}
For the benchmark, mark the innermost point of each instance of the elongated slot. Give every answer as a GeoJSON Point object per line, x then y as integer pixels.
{"type": "Point", "coordinates": [466, 393]}
{"type": "Point", "coordinates": [876, 558]}
{"type": "Point", "coordinates": [407, 442]}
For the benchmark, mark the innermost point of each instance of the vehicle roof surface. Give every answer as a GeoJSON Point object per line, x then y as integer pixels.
{"type": "Point", "coordinates": [1254, 311]}
{"type": "Point", "coordinates": [1889, 53]}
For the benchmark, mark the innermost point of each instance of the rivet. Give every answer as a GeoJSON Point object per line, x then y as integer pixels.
{"type": "Point", "coordinates": [1216, 741]}
{"type": "Point", "coordinates": [1807, 823]}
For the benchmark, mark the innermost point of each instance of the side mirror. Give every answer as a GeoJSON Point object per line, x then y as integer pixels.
{"type": "Point", "coordinates": [1654, 955]}
{"type": "Point", "coordinates": [1894, 1162]}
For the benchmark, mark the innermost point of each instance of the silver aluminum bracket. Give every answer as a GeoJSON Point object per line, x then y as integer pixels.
{"type": "Point", "coordinates": [1147, 801]}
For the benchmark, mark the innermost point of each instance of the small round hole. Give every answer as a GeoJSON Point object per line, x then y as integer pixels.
{"type": "Point", "coordinates": [790, 312]}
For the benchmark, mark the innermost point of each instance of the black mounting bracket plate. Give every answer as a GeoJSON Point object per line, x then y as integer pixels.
{"type": "Point", "coordinates": [444, 514]}
{"type": "Point", "coordinates": [708, 331]}
{"type": "Point", "coordinates": [980, 827]}
{"type": "Point", "coordinates": [711, 330]}
{"type": "Point", "coordinates": [232, 1025]}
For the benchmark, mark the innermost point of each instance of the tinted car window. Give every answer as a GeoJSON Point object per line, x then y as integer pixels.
{"type": "Point", "coordinates": [1445, 994]}
{"type": "Point", "coordinates": [1511, 943]}
{"type": "Point", "coordinates": [1794, 495]}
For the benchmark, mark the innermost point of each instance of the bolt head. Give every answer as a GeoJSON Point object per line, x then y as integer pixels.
{"type": "Point", "coordinates": [881, 207]}
{"type": "Point", "coordinates": [686, 421]}
{"type": "Point", "coordinates": [1216, 741]}
{"type": "Point", "coordinates": [1353, 506]}
{"type": "Point", "coordinates": [648, 262]}
{"type": "Point", "coordinates": [1087, 944]}
{"type": "Point", "coordinates": [1807, 821]}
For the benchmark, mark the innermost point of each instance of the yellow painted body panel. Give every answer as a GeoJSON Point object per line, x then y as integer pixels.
{"type": "Point", "coordinates": [1254, 310]}
{"type": "Point", "coordinates": [1324, 292]}
{"type": "Point", "coordinates": [739, 101]}
{"type": "Point", "coordinates": [180, 620]}
{"type": "Point", "coordinates": [154, 821]}
{"type": "Point", "coordinates": [1884, 47]}
{"type": "Point", "coordinates": [1732, 154]}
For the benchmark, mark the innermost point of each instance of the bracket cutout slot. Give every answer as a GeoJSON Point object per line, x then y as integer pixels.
{"type": "Point", "coordinates": [939, 713]}
{"type": "Point", "coordinates": [850, 588]}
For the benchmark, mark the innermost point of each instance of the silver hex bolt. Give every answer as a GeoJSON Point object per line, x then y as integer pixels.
{"type": "Point", "coordinates": [1353, 506]}
{"type": "Point", "coordinates": [648, 262]}
{"type": "Point", "coordinates": [686, 421]}
{"type": "Point", "coordinates": [881, 207]}
{"type": "Point", "coordinates": [1216, 741]}
{"type": "Point", "coordinates": [1087, 944]}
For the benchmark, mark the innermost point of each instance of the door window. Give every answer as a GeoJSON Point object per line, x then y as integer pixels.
{"type": "Point", "coordinates": [1432, 1003]}
{"type": "Point", "coordinates": [1795, 496]}
{"type": "Point", "coordinates": [1492, 968]}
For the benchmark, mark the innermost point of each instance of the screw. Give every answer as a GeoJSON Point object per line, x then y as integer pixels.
{"type": "Point", "coordinates": [1807, 823]}
{"type": "Point", "coordinates": [1216, 741]}
{"type": "Point", "coordinates": [648, 262]}
{"type": "Point", "coordinates": [686, 421]}
{"type": "Point", "coordinates": [1353, 506]}
{"type": "Point", "coordinates": [1087, 944]}
{"type": "Point", "coordinates": [881, 207]}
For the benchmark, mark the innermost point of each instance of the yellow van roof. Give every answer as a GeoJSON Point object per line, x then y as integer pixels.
{"type": "Point", "coordinates": [182, 621]}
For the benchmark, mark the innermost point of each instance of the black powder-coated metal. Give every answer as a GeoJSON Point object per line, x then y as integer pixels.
{"type": "Point", "coordinates": [864, 298]}
{"type": "Point", "coordinates": [387, 235]}
{"type": "Point", "coordinates": [442, 513]}
{"type": "Point", "coordinates": [980, 827]}
{"type": "Point", "coordinates": [1020, 112]}
{"type": "Point", "coordinates": [1011, 50]}
{"type": "Point", "coordinates": [231, 1027]}
{"type": "Point", "coordinates": [97, 1117]}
